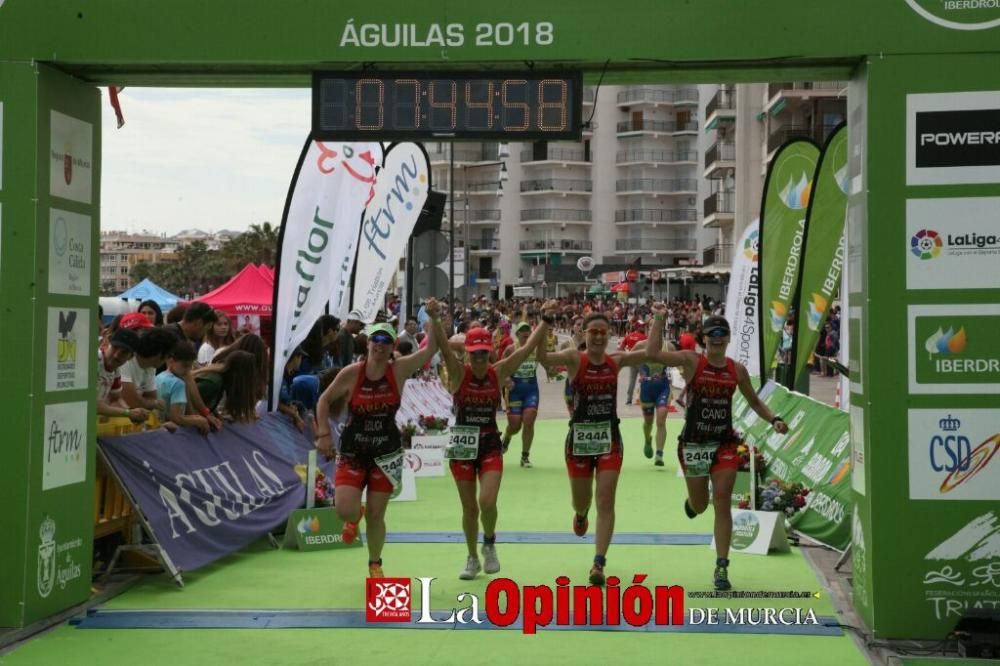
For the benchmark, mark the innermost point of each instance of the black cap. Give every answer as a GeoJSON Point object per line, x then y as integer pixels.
{"type": "Point", "coordinates": [126, 339]}
{"type": "Point", "coordinates": [715, 322]}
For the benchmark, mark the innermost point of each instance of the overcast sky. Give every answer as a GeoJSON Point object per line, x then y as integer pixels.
{"type": "Point", "coordinates": [206, 158]}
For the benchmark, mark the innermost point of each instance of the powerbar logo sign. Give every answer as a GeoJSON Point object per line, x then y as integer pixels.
{"type": "Point", "coordinates": [959, 14]}
{"type": "Point", "coordinates": [953, 138]}
{"type": "Point", "coordinates": [953, 349]}
{"type": "Point", "coordinates": [953, 243]}
{"type": "Point", "coordinates": [953, 454]}
{"type": "Point", "coordinates": [532, 607]}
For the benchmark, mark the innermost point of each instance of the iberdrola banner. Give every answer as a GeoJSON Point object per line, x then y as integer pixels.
{"type": "Point", "coordinates": [782, 232]}
{"type": "Point", "coordinates": [333, 183]}
{"type": "Point", "coordinates": [816, 452]}
{"type": "Point", "coordinates": [400, 192]}
{"type": "Point", "coordinates": [743, 302]}
{"type": "Point", "coordinates": [825, 247]}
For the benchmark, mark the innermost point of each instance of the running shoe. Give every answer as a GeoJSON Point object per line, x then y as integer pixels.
{"type": "Point", "coordinates": [721, 578]}
{"type": "Point", "coordinates": [472, 567]}
{"type": "Point", "coordinates": [580, 524]}
{"type": "Point", "coordinates": [491, 564]}
{"type": "Point", "coordinates": [525, 462]}
{"type": "Point", "coordinates": [505, 444]}
{"type": "Point", "coordinates": [688, 511]}
{"type": "Point", "coordinates": [647, 449]}
{"type": "Point", "coordinates": [659, 459]}
{"type": "Point", "coordinates": [597, 575]}
{"type": "Point", "coordinates": [350, 531]}
{"type": "Point", "coordinates": [375, 570]}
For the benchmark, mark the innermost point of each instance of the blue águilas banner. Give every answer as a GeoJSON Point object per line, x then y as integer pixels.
{"type": "Point", "coordinates": [207, 497]}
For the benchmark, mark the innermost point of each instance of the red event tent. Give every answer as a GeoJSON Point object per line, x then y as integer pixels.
{"type": "Point", "coordinates": [250, 292]}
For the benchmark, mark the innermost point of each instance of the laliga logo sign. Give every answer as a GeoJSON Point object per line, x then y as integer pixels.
{"type": "Point", "coordinates": [750, 247]}
{"type": "Point", "coordinates": [925, 244]}
{"type": "Point", "coordinates": [959, 459]}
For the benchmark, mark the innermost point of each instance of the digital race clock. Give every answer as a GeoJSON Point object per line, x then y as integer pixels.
{"type": "Point", "coordinates": [472, 106]}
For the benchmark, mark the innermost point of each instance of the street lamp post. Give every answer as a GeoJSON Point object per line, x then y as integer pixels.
{"type": "Point", "coordinates": [465, 223]}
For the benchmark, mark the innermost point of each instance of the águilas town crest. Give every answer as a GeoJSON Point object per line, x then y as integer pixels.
{"type": "Point", "coordinates": [68, 167]}
{"type": "Point", "coordinates": [47, 557]}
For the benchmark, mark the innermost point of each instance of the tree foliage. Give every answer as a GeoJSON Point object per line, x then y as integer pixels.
{"type": "Point", "coordinates": [198, 270]}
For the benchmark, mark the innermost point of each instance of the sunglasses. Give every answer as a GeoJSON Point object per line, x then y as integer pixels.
{"type": "Point", "coordinates": [482, 353]}
{"type": "Point", "coordinates": [717, 333]}
{"type": "Point", "coordinates": [381, 339]}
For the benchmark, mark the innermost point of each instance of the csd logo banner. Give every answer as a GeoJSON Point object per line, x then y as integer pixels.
{"type": "Point", "coordinates": [953, 454]}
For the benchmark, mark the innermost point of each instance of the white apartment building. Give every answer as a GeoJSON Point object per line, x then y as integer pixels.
{"type": "Point", "coordinates": [627, 190]}
{"type": "Point", "coordinates": [745, 125]}
{"type": "Point", "coordinates": [668, 174]}
{"type": "Point", "coordinates": [121, 251]}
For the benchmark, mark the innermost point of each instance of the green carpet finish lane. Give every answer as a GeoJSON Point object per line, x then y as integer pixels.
{"type": "Point", "coordinates": [649, 500]}
{"type": "Point", "coordinates": [71, 647]}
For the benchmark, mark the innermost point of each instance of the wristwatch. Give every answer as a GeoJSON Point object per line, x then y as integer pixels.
{"type": "Point", "coordinates": [776, 419]}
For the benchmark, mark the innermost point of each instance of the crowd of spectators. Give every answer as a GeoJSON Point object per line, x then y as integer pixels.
{"type": "Point", "coordinates": [192, 369]}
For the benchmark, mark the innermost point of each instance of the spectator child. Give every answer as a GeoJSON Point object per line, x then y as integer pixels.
{"type": "Point", "coordinates": [170, 387]}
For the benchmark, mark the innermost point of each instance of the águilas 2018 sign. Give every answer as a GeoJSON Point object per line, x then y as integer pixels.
{"type": "Point", "coordinates": [959, 14]}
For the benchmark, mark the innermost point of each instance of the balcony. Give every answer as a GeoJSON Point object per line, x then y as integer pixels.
{"type": "Point", "coordinates": [556, 215]}
{"type": "Point", "coordinates": [723, 103]}
{"type": "Point", "coordinates": [478, 215]}
{"type": "Point", "coordinates": [718, 208]}
{"type": "Point", "coordinates": [656, 126]}
{"type": "Point", "coordinates": [720, 158]}
{"type": "Point", "coordinates": [779, 136]}
{"type": "Point", "coordinates": [536, 245]}
{"type": "Point", "coordinates": [656, 186]}
{"type": "Point", "coordinates": [491, 187]}
{"type": "Point", "coordinates": [656, 215]}
{"type": "Point", "coordinates": [654, 157]}
{"type": "Point", "coordinates": [561, 186]}
{"type": "Point", "coordinates": [484, 245]}
{"type": "Point", "coordinates": [462, 156]}
{"type": "Point", "coordinates": [804, 88]}
{"type": "Point", "coordinates": [654, 244]}
{"type": "Point", "coordinates": [656, 97]}
{"type": "Point", "coordinates": [552, 154]}
{"type": "Point", "coordinates": [721, 254]}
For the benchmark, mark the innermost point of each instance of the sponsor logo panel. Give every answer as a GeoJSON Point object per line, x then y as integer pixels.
{"type": "Point", "coordinates": [953, 349]}
{"type": "Point", "coordinates": [953, 454]}
{"type": "Point", "coordinates": [953, 243]}
{"type": "Point", "coordinates": [953, 138]}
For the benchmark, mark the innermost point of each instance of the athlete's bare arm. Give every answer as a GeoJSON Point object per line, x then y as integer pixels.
{"type": "Point", "coordinates": [512, 359]}
{"type": "Point", "coordinates": [337, 391]}
{"type": "Point", "coordinates": [568, 357]}
{"type": "Point", "coordinates": [452, 360]}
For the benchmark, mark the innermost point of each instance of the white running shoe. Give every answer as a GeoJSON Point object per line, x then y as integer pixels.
{"type": "Point", "coordinates": [472, 568]}
{"type": "Point", "coordinates": [491, 564]}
